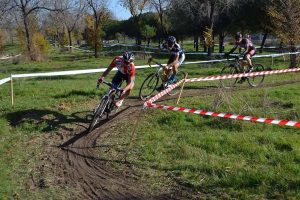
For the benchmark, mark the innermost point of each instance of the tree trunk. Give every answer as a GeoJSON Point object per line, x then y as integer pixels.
{"type": "Point", "coordinates": [96, 44]}
{"type": "Point", "coordinates": [263, 42]}
{"type": "Point", "coordinates": [27, 35]}
{"type": "Point", "coordinates": [210, 50]}
{"type": "Point", "coordinates": [11, 36]}
{"type": "Point", "coordinates": [196, 42]}
{"type": "Point", "coordinates": [221, 42]}
{"type": "Point", "coordinates": [70, 41]}
{"type": "Point", "coordinates": [204, 46]}
{"type": "Point", "coordinates": [96, 50]}
{"type": "Point", "coordinates": [293, 57]}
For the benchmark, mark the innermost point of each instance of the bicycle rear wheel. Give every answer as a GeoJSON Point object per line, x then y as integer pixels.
{"type": "Point", "coordinates": [229, 70]}
{"type": "Point", "coordinates": [149, 86]}
{"type": "Point", "coordinates": [255, 81]}
{"type": "Point", "coordinates": [98, 113]}
{"type": "Point", "coordinates": [180, 75]}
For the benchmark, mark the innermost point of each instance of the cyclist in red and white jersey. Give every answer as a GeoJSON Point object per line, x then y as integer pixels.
{"type": "Point", "coordinates": [126, 72]}
{"type": "Point", "coordinates": [245, 43]}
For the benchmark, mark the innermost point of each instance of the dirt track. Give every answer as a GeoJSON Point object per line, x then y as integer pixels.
{"type": "Point", "coordinates": [76, 163]}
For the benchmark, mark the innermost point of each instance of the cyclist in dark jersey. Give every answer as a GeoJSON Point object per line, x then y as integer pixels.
{"type": "Point", "coordinates": [249, 52]}
{"type": "Point", "coordinates": [176, 58]}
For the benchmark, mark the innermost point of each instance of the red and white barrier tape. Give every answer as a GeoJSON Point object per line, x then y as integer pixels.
{"type": "Point", "coordinates": [228, 76]}
{"type": "Point", "coordinates": [163, 93]}
{"type": "Point", "coordinates": [150, 103]}
{"type": "Point", "coordinates": [226, 115]}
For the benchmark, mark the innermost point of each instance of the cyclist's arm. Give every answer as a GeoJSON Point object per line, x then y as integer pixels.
{"type": "Point", "coordinates": [106, 72]}
{"type": "Point", "coordinates": [233, 49]}
{"type": "Point", "coordinates": [130, 84]}
{"type": "Point", "coordinates": [131, 80]}
{"type": "Point", "coordinates": [161, 47]}
{"type": "Point", "coordinates": [109, 68]}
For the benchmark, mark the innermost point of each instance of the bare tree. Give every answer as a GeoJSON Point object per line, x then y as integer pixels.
{"type": "Point", "coordinates": [25, 8]}
{"type": "Point", "coordinates": [3, 7]}
{"type": "Point", "coordinates": [8, 24]}
{"type": "Point", "coordinates": [160, 7]}
{"type": "Point", "coordinates": [136, 8]}
{"type": "Point", "coordinates": [71, 15]}
{"type": "Point", "coordinates": [198, 16]}
{"type": "Point", "coordinates": [286, 23]}
{"type": "Point", "coordinates": [100, 14]}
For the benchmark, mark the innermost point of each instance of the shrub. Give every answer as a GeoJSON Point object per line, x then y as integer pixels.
{"type": "Point", "coordinates": [40, 47]}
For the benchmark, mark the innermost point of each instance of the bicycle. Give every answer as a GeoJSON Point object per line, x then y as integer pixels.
{"type": "Point", "coordinates": [106, 105]}
{"type": "Point", "coordinates": [151, 83]}
{"type": "Point", "coordinates": [238, 68]}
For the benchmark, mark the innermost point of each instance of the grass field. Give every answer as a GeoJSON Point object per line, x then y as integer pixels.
{"type": "Point", "coordinates": [217, 158]}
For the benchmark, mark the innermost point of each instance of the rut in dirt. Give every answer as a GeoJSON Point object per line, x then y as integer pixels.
{"type": "Point", "coordinates": [89, 173]}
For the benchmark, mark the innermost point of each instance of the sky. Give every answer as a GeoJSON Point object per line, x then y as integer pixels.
{"type": "Point", "coordinates": [120, 12]}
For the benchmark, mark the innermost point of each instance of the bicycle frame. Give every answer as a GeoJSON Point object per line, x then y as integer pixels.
{"type": "Point", "coordinates": [161, 70]}
{"type": "Point", "coordinates": [106, 104]}
{"type": "Point", "coordinates": [113, 90]}
{"type": "Point", "coordinates": [238, 67]}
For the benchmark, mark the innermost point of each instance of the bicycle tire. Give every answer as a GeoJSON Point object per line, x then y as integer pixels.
{"type": "Point", "coordinates": [229, 70]}
{"type": "Point", "coordinates": [180, 75]}
{"type": "Point", "coordinates": [98, 113]}
{"type": "Point", "coordinates": [255, 81]}
{"type": "Point", "coordinates": [149, 86]}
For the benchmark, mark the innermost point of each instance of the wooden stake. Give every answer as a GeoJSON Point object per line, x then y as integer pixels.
{"type": "Point", "coordinates": [12, 90]}
{"type": "Point", "coordinates": [181, 89]}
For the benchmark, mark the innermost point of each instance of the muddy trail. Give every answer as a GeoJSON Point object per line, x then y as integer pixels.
{"type": "Point", "coordinates": [78, 165]}
{"type": "Point", "coordinates": [74, 161]}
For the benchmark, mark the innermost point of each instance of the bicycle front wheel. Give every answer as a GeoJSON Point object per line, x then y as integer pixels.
{"type": "Point", "coordinates": [255, 81]}
{"type": "Point", "coordinates": [180, 75]}
{"type": "Point", "coordinates": [149, 86]}
{"type": "Point", "coordinates": [99, 112]}
{"type": "Point", "coordinates": [229, 70]}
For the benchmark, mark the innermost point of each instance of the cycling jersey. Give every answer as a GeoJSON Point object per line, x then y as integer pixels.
{"type": "Point", "coordinates": [176, 50]}
{"type": "Point", "coordinates": [245, 43]}
{"type": "Point", "coordinates": [125, 68]}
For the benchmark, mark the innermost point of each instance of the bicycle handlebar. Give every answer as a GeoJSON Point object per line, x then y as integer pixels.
{"type": "Point", "coordinates": [233, 56]}
{"type": "Point", "coordinates": [110, 85]}
{"type": "Point", "coordinates": [152, 60]}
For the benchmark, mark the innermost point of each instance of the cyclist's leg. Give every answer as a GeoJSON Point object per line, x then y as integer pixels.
{"type": "Point", "coordinates": [117, 79]}
{"type": "Point", "coordinates": [175, 68]}
{"type": "Point", "coordinates": [248, 55]}
{"type": "Point", "coordinates": [129, 86]}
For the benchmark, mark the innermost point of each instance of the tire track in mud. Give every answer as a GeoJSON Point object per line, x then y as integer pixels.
{"type": "Point", "coordinates": [88, 172]}
{"type": "Point", "coordinates": [76, 161]}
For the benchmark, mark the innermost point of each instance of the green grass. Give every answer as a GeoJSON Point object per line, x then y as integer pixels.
{"type": "Point", "coordinates": [219, 158]}
{"type": "Point", "coordinates": [223, 158]}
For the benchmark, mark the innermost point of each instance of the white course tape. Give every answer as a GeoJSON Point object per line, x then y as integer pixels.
{"type": "Point", "coordinates": [9, 57]}
{"type": "Point", "coordinates": [2, 81]}
{"type": "Point", "coordinates": [75, 72]}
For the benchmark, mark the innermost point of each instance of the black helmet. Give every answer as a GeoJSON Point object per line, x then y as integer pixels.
{"type": "Point", "coordinates": [128, 57]}
{"type": "Point", "coordinates": [171, 40]}
{"type": "Point", "coordinates": [238, 36]}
